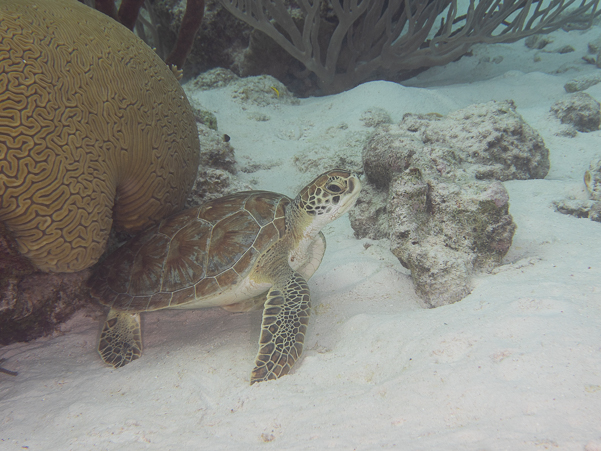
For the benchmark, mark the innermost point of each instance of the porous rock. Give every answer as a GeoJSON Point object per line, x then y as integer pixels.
{"type": "Point", "coordinates": [218, 165]}
{"type": "Point", "coordinates": [574, 207]}
{"type": "Point", "coordinates": [369, 216]}
{"type": "Point", "coordinates": [34, 306]}
{"type": "Point", "coordinates": [538, 41]}
{"type": "Point", "coordinates": [582, 82]}
{"type": "Point", "coordinates": [488, 141]}
{"type": "Point", "coordinates": [580, 111]}
{"type": "Point", "coordinates": [434, 190]}
{"type": "Point", "coordinates": [214, 79]}
{"type": "Point", "coordinates": [213, 183]}
{"type": "Point", "coordinates": [33, 303]}
{"type": "Point", "coordinates": [262, 90]}
{"type": "Point", "coordinates": [443, 230]}
{"type": "Point", "coordinates": [375, 116]}
{"type": "Point", "coordinates": [217, 152]}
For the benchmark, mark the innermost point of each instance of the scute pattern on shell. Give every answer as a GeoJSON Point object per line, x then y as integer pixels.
{"type": "Point", "coordinates": [197, 253]}
{"type": "Point", "coordinates": [94, 127]}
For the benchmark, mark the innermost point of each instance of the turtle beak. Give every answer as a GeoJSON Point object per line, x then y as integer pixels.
{"type": "Point", "coordinates": [352, 194]}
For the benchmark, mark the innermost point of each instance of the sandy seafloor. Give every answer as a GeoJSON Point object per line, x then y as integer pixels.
{"type": "Point", "coordinates": [516, 365]}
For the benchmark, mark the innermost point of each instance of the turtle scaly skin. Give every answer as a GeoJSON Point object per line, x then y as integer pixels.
{"type": "Point", "coordinates": [238, 252]}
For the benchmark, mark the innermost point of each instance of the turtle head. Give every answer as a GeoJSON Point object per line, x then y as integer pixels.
{"type": "Point", "coordinates": [327, 197]}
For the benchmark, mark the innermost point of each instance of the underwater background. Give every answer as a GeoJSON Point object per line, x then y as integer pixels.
{"type": "Point", "coordinates": [416, 341]}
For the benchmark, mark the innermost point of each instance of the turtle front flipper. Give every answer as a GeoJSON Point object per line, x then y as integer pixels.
{"type": "Point", "coordinates": [285, 320]}
{"type": "Point", "coordinates": [120, 339]}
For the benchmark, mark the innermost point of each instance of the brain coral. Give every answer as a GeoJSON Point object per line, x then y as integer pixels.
{"type": "Point", "coordinates": [94, 131]}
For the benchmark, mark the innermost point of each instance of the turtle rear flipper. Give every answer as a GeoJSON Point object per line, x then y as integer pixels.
{"type": "Point", "coordinates": [285, 319]}
{"type": "Point", "coordinates": [120, 340]}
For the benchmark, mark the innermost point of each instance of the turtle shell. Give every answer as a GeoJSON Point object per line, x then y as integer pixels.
{"type": "Point", "coordinates": [196, 254]}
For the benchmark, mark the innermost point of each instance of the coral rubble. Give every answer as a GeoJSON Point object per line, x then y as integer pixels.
{"type": "Point", "coordinates": [590, 208]}
{"type": "Point", "coordinates": [578, 111]}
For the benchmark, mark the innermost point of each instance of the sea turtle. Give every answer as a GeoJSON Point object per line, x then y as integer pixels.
{"type": "Point", "coordinates": [238, 252]}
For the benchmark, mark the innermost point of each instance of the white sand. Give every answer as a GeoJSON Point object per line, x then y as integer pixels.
{"type": "Point", "coordinates": [514, 366]}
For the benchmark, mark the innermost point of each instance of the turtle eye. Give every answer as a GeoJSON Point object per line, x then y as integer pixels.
{"type": "Point", "coordinates": [334, 188]}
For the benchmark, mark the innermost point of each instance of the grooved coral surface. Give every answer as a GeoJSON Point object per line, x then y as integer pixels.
{"type": "Point", "coordinates": [94, 130]}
